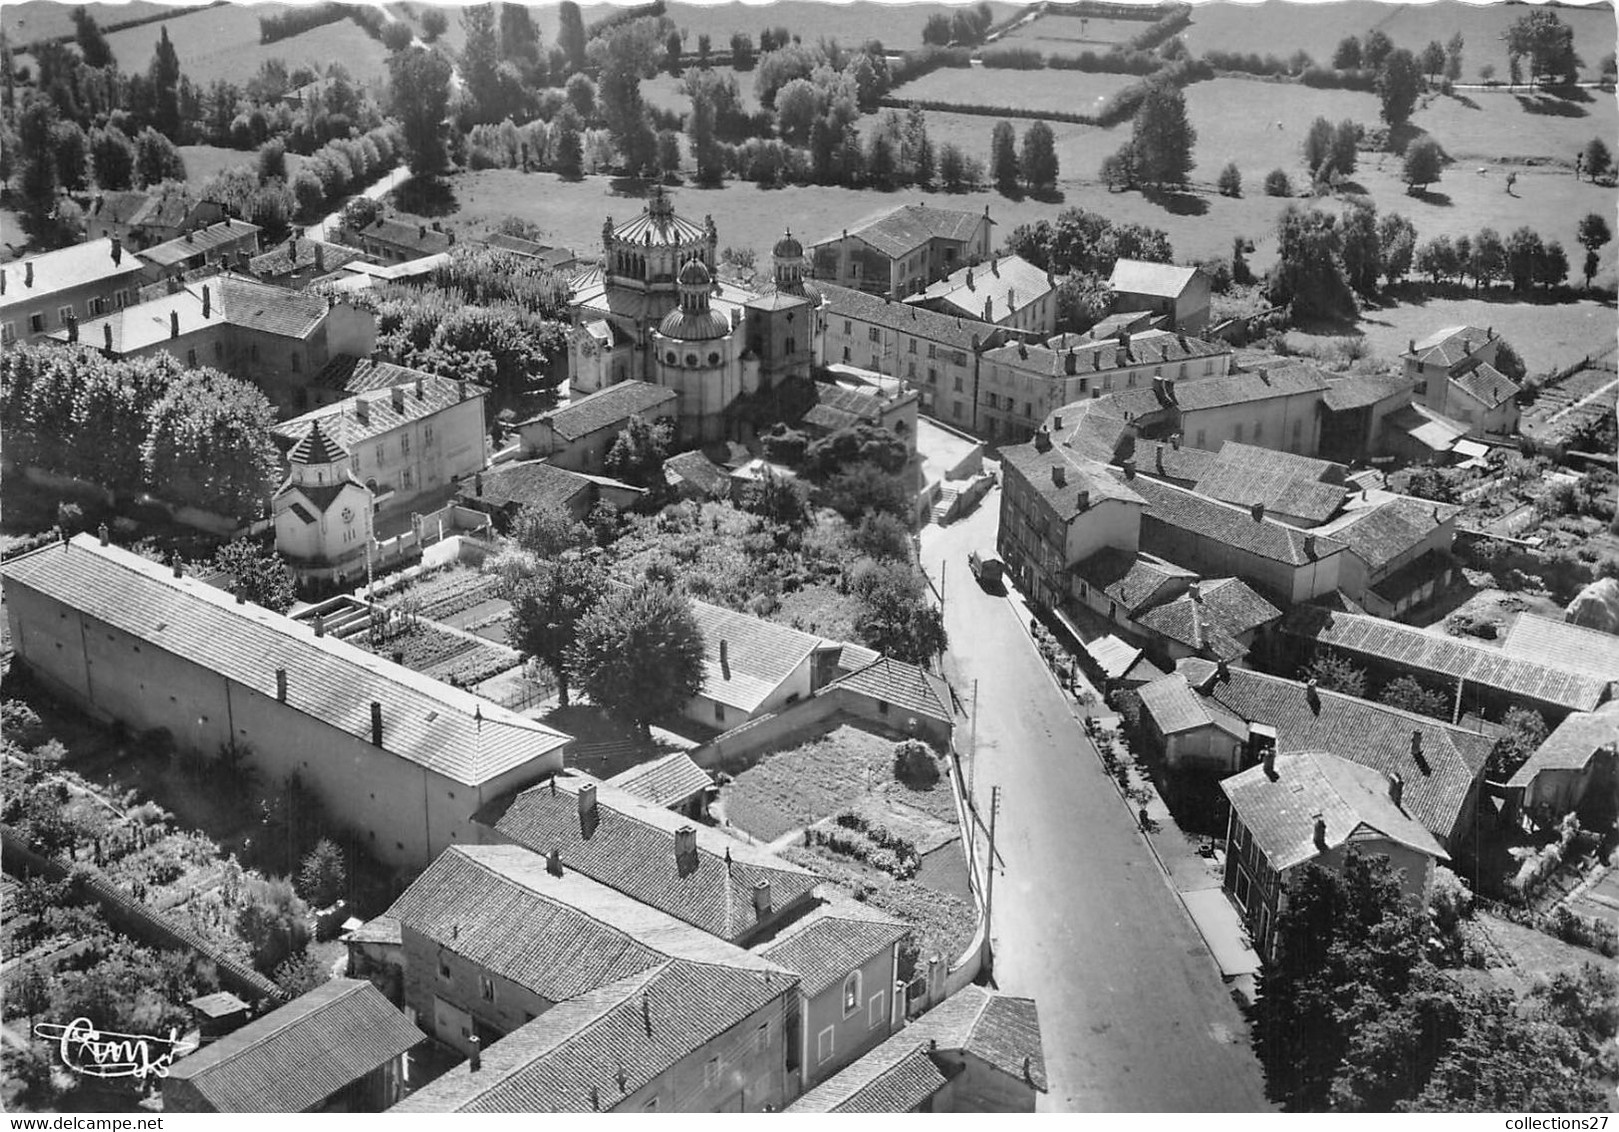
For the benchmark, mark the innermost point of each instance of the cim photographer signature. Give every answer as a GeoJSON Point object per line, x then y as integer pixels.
{"type": "Point", "coordinates": [93, 1052]}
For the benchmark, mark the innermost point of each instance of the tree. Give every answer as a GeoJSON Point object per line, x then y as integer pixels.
{"type": "Point", "coordinates": [70, 148]}
{"type": "Point", "coordinates": [883, 536]}
{"type": "Point", "coordinates": [638, 452]}
{"type": "Point", "coordinates": [258, 574]}
{"type": "Point", "coordinates": [92, 43]}
{"type": "Point", "coordinates": [480, 59]}
{"type": "Point", "coordinates": [208, 443]}
{"type": "Point", "coordinates": [419, 83]}
{"type": "Point", "coordinates": [1309, 270]}
{"type": "Point", "coordinates": [1408, 694]}
{"type": "Point", "coordinates": [1039, 159]}
{"type": "Point", "coordinates": [1163, 136]}
{"type": "Point", "coordinates": [1375, 49]}
{"type": "Point", "coordinates": [1399, 83]}
{"type": "Point", "coordinates": [1547, 42]}
{"type": "Point", "coordinates": [547, 530]}
{"type": "Point", "coordinates": [1317, 145]}
{"type": "Point", "coordinates": [798, 104]}
{"type": "Point", "coordinates": [1524, 253]}
{"type": "Point", "coordinates": [164, 77]}
{"type": "Point", "coordinates": [571, 34]}
{"type": "Point", "coordinates": [273, 922]}
{"type": "Point", "coordinates": [1397, 244]}
{"type": "Point", "coordinates": [917, 150]}
{"type": "Point", "coordinates": [1003, 157]}
{"type": "Point", "coordinates": [936, 31]}
{"type": "Point", "coordinates": [434, 24]}
{"type": "Point", "coordinates": [1344, 150]}
{"type": "Point", "coordinates": [625, 56]}
{"type": "Point", "coordinates": [1598, 158]}
{"type": "Point", "coordinates": [568, 152]}
{"type": "Point", "coordinates": [272, 161]}
{"type": "Point", "coordinates": [640, 653]}
{"type": "Point", "coordinates": [742, 57]}
{"type": "Point", "coordinates": [1277, 184]}
{"type": "Point", "coordinates": [1525, 732]}
{"type": "Point", "coordinates": [1230, 182]}
{"type": "Point", "coordinates": [1551, 268]}
{"type": "Point", "coordinates": [112, 158]}
{"type": "Point", "coordinates": [1423, 163]}
{"type": "Point", "coordinates": [1437, 259]}
{"type": "Point", "coordinates": [1333, 671]}
{"type": "Point", "coordinates": [1489, 258]}
{"type": "Point", "coordinates": [781, 501]}
{"type": "Point", "coordinates": [1347, 55]}
{"type": "Point", "coordinates": [895, 617]}
{"type": "Point", "coordinates": [323, 877]}
{"type": "Point", "coordinates": [1433, 59]}
{"type": "Point", "coordinates": [1361, 251]}
{"type": "Point", "coordinates": [546, 611]}
{"type": "Point", "coordinates": [1593, 234]}
{"type": "Point", "coordinates": [1453, 57]}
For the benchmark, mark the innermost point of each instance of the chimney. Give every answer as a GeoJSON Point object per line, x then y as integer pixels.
{"type": "Point", "coordinates": [28, 274]}
{"type": "Point", "coordinates": [761, 899]}
{"type": "Point", "coordinates": [227, 220]}
{"type": "Point", "coordinates": [398, 398]}
{"type": "Point", "coordinates": [461, 390]}
{"type": "Point", "coordinates": [191, 236]}
{"type": "Point", "coordinates": [320, 257]}
{"type": "Point", "coordinates": [1397, 790]}
{"type": "Point", "coordinates": [240, 591]}
{"type": "Point", "coordinates": [1158, 454]}
{"type": "Point", "coordinates": [1042, 439]}
{"type": "Point", "coordinates": [175, 562]}
{"type": "Point", "coordinates": [477, 483]}
{"type": "Point", "coordinates": [281, 684]}
{"type": "Point", "coordinates": [1082, 502]}
{"type": "Point", "coordinates": [1411, 346]}
{"type": "Point", "coordinates": [72, 327]}
{"type": "Point", "coordinates": [207, 301]}
{"type": "Point", "coordinates": [376, 723]}
{"type": "Point", "coordinates": [1059, 475]}
{"type": "Point", "coordinates": [362, 410]}
{"type": "Point", "coordinates": [292, 251]}
{"type": "Point", "coordinates": [117, 250]}
{"type": "Point", "coordinates": [1258, 511]}
{"type": "Point", "coordinates": [451, 236]}
{"type": "Point", "coordinates": [989, 313]}
{"type": "Point", "coordinates": [995, 266]}
{"type": "Point", "coordinates": [553, 862]}
{"type": "Point", "coordinates": [1312, 695]}
{"type": "Point", "coordinates": [320, 625]}
{"type": "Point", "coordinates": [1222, 672]}
{"type": "Point", "coordinates": [1129, 469]}
{"type": "Point", "coordinates": [1309, 546]}
{"type": "Point", "coordinates": [587, 800]}
{"type": "Point", "coordinates": [725, 659]}
{"type": "Point", "coordinates": [1195, 592]}
{"type": "Point", "coordinates": [101, 533]}
{"type": "Point", "coordinates": [174, 324]}
{"type": "Point", "coordinates": [1320, 833]}
{"type": "Point", "coordinates": [421, 231]}
{"type": "Point", "coordinates": [418, 389]}
{"type": "Point", "coordinates": [970, 286]}
{"type": "Point", "coordinates": [475, 1063]}
{"type": "Point", "coordinates": [1416, 752]}
{"type": "Point", "coordinates": [1270, 762]}
{"type": "Point", "coordinates": [1175, 441]}
{"type": "Point", "coordinates": [1056, 421]}
{"type": "Point", "coordinates": [685, 842]}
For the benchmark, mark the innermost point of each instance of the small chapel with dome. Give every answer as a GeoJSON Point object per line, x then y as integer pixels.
{"type": "Point", "coordinates": [655, 310]}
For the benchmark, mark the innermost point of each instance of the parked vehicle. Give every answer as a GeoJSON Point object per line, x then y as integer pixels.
{"type": "Point", "coordinates": [986, 568]}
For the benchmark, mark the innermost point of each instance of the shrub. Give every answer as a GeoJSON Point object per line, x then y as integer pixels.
{"type": "Point", "coordinates": [1277, 184]}
{"type": "Point", "coordinates": [915, 764]}
{"type": "Point", "coordinates": [1230, 182]}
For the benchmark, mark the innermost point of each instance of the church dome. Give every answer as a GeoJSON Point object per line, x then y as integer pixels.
{"type": "Point", "coordinates": [694, 274]}
{"type": "Point", "coordinates": [694, 326]}
{"type": "Point", "coordinates": [788, 248]}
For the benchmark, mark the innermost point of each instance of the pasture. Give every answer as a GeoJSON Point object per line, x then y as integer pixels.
{"type": "Point", "coordinates": [47, 19]}
{"type": "Point", "coordinates": [1317, 28]}
{"type": "Point", "coordinates": [1497, 126]}
{"type": "Point", "coordinates": [1237, 120]}
{"type": "Point", "coordinates": [203, 161]}
{"type": "Point", "coordinates": [898, 26]}
{"type": "Point", "coordinates": [1035, 92]}
{"type": "Point", "coordinates": [1069, 35]}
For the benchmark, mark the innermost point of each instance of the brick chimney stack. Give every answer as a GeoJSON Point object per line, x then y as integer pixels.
{"type": "Point", "coordinates": [376, 723]}
{"type": "Point", "coordinates": [761, 899]}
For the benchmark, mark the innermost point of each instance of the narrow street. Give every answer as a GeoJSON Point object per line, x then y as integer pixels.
{"type": "Point", "coordinates": [1133, 1011]}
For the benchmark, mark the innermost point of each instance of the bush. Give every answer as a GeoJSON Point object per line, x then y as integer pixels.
{"type": "Point", "coordinates": [915, 764]}
{"type": "Point", "coordinates": [1230, 182]}
{"type": "Point", "coordinates": [1277, 184]}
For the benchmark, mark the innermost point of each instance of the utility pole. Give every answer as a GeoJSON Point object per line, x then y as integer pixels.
{"type": "Point", "coordinates": [942, 564]}
{"type": "Point", "coordinates": [972, 773]}
{"type": "Point", "coordinates": [989, 890]}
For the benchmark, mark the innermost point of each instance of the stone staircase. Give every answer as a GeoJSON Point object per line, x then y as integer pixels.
{"type": "Point", "coordinates": [946, 501]}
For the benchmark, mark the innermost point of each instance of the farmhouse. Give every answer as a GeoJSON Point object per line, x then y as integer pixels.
{"type": "Point", "coordinates": [577, 436]}
{"type": "Point", "coordinates": [1454, 374]}
{"type": "Point", "coordinates": [1180, 293]}
{"type": "Point", "coordinates": [1354, 410]}
{"type": "Point", "coordinates": [1313, 807]}
{"type": "Point", "coordinates": [1399, 550]}
{"type": "Point", "coordinates": [55, 290]}
{"type": "Point", "coordinates": [752, 667]}
{"type": "Point", "coordinates": [143, 219]}
{"type": "Point", "coordinates": [227, 244]}
{"type": "Point", "coordinates": [400, 759]}
{"type": "Point", "coordinates": [1578, 763]}
{"type": "Point", "coordinates": [506, 489]}
{"type": "Point", "coordinates": [1008, 291]}
{"type": "Point", "coordinates": [394, 241]}
{"type": "Point", "coordinates": [900, 252]}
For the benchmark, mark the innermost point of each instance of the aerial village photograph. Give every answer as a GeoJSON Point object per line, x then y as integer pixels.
{"type": "Point", "coordinates": [809, 557]}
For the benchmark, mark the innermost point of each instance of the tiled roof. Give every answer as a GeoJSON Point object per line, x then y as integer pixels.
{"type": "Point", "coordinates": [696, 469]}
{"type": "Point", "coordinates": [1246, 387]}
{"type": "Point", "coordinates": [1223, 611]}
{"type": "Point", "coordinates": [1121, 322]}
{"type": "Point", "coordinates": [552, 257]}
{"type": "Point", "coordinates": [1448, 656]}
{"type": "Point", "coordinates": [909, 226]}
{"type": "Point", "coordinates": [1436, 789]}
{"type": "Point", "coordinates": [1353, 800]}
{"type": "Point", "coordinates": [905, 686]}
{"type": "Point", "coordinates": [298, 1055]}
{"type": "Point", "coordinates": [66, 268]}
{"type": "Point", "coordinates": [316, 446]}
{"type": "Point", "coordinates": [1175, 707]}
{"type": "Point", "coordinates": [116, 206]}
{"type": "Point", "coordinates": [1113, 656]}
{"type": "Point", "coordinates": [278, 261]}
{"type": "Point", "coordinates": [200, 242]}
{"type": "Point", "coordinates": [1151, 348]}
{"type": "Point", "coordinates": [220, 1004]}
{"type": "Point", "coordinates": [1425, 426]}
{"type": "Point", "coordinates": [499, 908]}
{"type": "Point", "coordinates": [531, 482]}
{"type": "Point", "coordinates": [852, 658]}
{"type": "Point", "coordinates": [168, 210]}
{"type": "Point", "coordinates": [1136, 277]}
{"type": "Point", "coordinates": [1450, 345]}
{"type": "Point", "coordinates": [760, 655]}
{"type": "Point", "coordinates": [444, 729]}
{"type": "Point", "coordinates": [833, 940]}
{"type": "Point", "coordinates": [365, 416]}
{"type": "Point", "coordinates": [1487, 385]}
{"type": "Point", "coordinates": [1560, 644]}
{"type": "Point", "coordinates": [592, 1052]}
{"type": "Point", "coordinates": [1078, 474]}
{"type": "Point", "coordinates": [905, 318]}
{"type": "Point", "coordinates": [1183, 510]}
{"type": "Point", "coordinates": [1006, 283]}
{"type": "Point", "coordinates": [234, 299]}
{"type": "Point", "coordinates": [1183, 464]}
{"type": "Point", "coordinates": [631, 848]}
{"type": "Point", "coordinates": [419, 238]}
{"type": "Point", "coordinates": [1132, 580]}
{"type": "Point", "coordinates": [671, 779]}
{"type": "Point", "coordinates": [1094, 428]}
{"type": "Point", "coordinates": [605, 408]}
{"type": "Point", "coordinates": [1389, 527]}
{"type": "Point", "coordinates": [1572, 744]}
{"type": "Point", "coordinates": [350, 374]}
{"type": "Point", "coordinates": [1280, 487]}
{"type": "Point", "coordinates": [1363, 390]}
{"type": "Point", "coordinates": [897, 1076]}
{"type": "Point", "coordinates": [837, 406]}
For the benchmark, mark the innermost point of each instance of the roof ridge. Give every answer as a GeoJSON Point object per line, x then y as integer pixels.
{"type": "Point", "coordinates": [292, 1020]}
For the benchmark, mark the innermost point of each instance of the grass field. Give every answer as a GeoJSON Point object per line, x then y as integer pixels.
{"type": "Point", "coordinates": [46, 19]}
{"type": "Point", "coordinates": [1317, 28]}
{"type": "Point", "coordinates": [898, 26]}
{"type": "Point", "coordinates": [1236, 121]}
{"type": "Point", "coordinates": [668, 92]}
{"type": "Point", "coordinates": [203, 161]}
{"type": "Point", "coordinates": [1069, 35]}
{"type": "Point", "coordinates": [1033, 91]}
{"type": "Point", "coordinates": [1501, 127]}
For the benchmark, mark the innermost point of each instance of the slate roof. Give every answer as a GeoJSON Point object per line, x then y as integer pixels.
{"type": "Point", "coordinates": [1282, 491]}
{"type": "Point", "coordinates": [905, 686]}
{"type": "Point", "coordinates": [531, 482]}
{"type": "Point", "coordinates": [235, 299]}
{"type": "Point", "coordinates": [277, 262]}
{"type": "Point", "coordinates": [590, 1053]}
{"type": "Point", "coordinates": [696, 469]}
{"type": "Point", "coordinates": [1382, 532]}
{"type": "Point", "coordinates": [298, 1055]}
{"type": "Point", "coordinates": [1079, 474]}
{"type": "Point", "coordinates": [1560, 644]}
{"type": "Point", "coordinates": [426, 397]}
{"type": "Point", "coordinates": [1436, 789]}
{"type": "Point", "coordinates": [1137, 277]}
{"type": "Point", "coordinates": [200, 242]}
{"type": "Point", "coordinates": [499, 908]}
{"type": "Point", "coordinates": [1363, 390]}
{"type": "Point", "coordinates": [316, 446]}
{"type": "Point", "coordinates": [1152, 347]}
{"type": "Point", "coordinates": [1487, 385]}
{"type": "Point", "coordinates": [1007, 283]}
{"type": "Point", "coordinates": [1448, 656]}
{"type": "Point", "coordinates": [1281, 812]}
{"type": "Point", "coordinates": [909, 226]}
{"type": "Point", "coordinates": [1183, 510]}
{"type": "Point", "coordinates": [1572, 744]}
{"type": "Point", "coordinates": [662, 782]}
{"type": "Point", "coordinates": [606, 408]}
{"type": "Point", "coordinates": [444, 729]}
{"type": "Point", "coordinates": [1183, 464]}
{"type": "Point", "coordinates": [1213, 622]}
{"type": "Point", "coordinates": [954, 331]}
{"type": "Point", "coordinates": [897, 1076]}
{"type": "Point", "coordinates": [1132, 580]}
{"type": "Point", "coordinates": [831, 941]}
{"type": "Point", "coordinates": [1175, 708]}
{"type": "Point", "coordinates": [1450, 345]}
{"type": "Point", "coordinates": [631, 848]}
{"type": "Point", "coordinates": [760, 655]}
{"type": "Point", "coordinates": [64, 269]}
{"type": "Point", "coordinates": [1243, 388]}
{"type": "Point", "coordinates": [418, 238]}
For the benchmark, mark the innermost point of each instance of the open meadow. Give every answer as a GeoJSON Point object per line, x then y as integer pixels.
{"type": "Point", "coordinates": [1034, 92]}
{"type": "Point", "coordinates": [1497, 126]}
{"type": "Point", "coordinates": [1069, 35]}
{"type": "Point", "coordinates": [1317, 28]}
{"type": "Point", "coordinates": [897, 26]}
{"type": "Point", "coordinates": [47, 19]}
{"type": "Point", "coordinates": [203, 161]}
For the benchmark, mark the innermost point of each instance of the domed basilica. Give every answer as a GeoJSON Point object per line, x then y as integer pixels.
{"type": "Point", "coordinates": [655, 310]}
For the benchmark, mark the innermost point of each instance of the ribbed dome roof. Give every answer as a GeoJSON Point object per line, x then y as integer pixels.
{"type": "Point", "coordinates": [704, 326]}
{"type": "Point", "coordinates": [694, 274]}
{"type": "Point", "coordinates": [317, 448]}
{"type": "Point", "coordinates": [788, 248]}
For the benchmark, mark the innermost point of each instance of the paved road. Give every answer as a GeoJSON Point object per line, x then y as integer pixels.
{"type": "Point", "coordinates": [1132, 1008]}
{"type": "Point", "coordinates": [323, 229]}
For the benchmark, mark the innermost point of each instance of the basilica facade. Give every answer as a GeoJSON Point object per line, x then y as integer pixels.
{"type": "Point", "coordinates": [655, 310]}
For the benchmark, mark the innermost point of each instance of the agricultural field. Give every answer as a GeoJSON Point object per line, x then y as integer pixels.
{"type": "Point", "coordinates": [47, 19]}
{"type": "Point", "coordinates": [1261, 125]}
{"type": "Point", "coordinates": [1317, 28]}
{"type": "Point", "coordinates": [1035, 92]}
{"type": "Point", "coordinates": [1571, 406]}
{"type": "Point", "coordinates": [897, 26]}
{"type": "Point", "coordinates": [1069, 35]}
